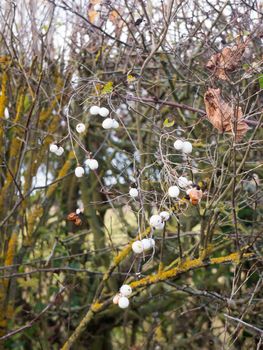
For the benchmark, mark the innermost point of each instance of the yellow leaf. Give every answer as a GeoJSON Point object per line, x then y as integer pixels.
{"type": "Point", "coordinates": [99, 53]}
{"type": "Point", "coordinates": [167, 123]}
{"type": "Point", "coordinates": [130, 78]}
{"type": "Point", "coordinates": [107, 89]}
{"type": "Point", "coordinates": [30, 283]}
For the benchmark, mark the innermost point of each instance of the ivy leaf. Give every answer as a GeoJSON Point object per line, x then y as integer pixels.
{"type": "Point", "coordinates": [167, 123]}
{"type": "Point", "coordinates": [107, 89]}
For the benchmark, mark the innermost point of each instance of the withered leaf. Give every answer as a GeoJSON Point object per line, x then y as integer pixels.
{"type": "Point", "coordinates": [226, 61]}
{"type": "Point", "coordinates": [195, 195]}
{"type": "Point", "coordinates": [78, 222]}
{"type": "Point", "coordinates": [92, 16]}
{"type": "Point", "coordinates": [222, 116]}
{"type": "Point", "coordinates": [75, 218]}
{"type": "Point", "coordinates": [72, 216]}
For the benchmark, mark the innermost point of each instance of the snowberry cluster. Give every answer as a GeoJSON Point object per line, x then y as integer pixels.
{"type": "Point", "coordinates": [108, 123]}
{"type": "Point", "coordinates": [80, 128]}
{"type": "Point", "coordinates": [79, 171]}
{"type": "Point", "coordinates": [122, 297]}
{"type": "Point", "coordinates": [58, 150]}
{"type": "Point", "coordinates": [91, 163]}
{"type": "Point", "coordinates": [173, 191]}
{"type": "Point", "coordinates": [184, 146]}
{"type": "Point", "coordinates": [102, 111]}
{"type": "Point", "coordinates": [157, 221]}
{"type": "Point", "coordinates": [183, 182]}
{"type": "Point", "coordinates": [141, 246]}
{"type": "Point", "coordinates": [133, 192]}
{"type": "Point", "coordinates": [123, 109]}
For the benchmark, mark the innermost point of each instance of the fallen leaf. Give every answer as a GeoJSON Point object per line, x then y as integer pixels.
{"type": "Point", "coordinates": [221, 115]}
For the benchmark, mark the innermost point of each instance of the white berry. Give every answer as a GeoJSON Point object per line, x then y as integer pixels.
{"type": "Point", "coordinates": [80, 128]}
{"type": "Point", "coordinates": [6, 113]}
{"type": "Point", "coordinates": [53, 148]}
{"type": "Point", "coordinates": [160, 226]}
{"type": "Point", "coordinates": [97, 7]}
{"type": "Point", "coordinates": [173, 191]}
{"type": "Point", "coordinates": [107, 123]}
{"type": "Point", "coordinates": [178, 145]}
{"type": "Point", "coordinates": [123, 106]}
{"type": "Point", "coordinates": [104, 112]}
{"type": "Point", "coordinates": [79, 171]}
{"type": "Point", "coordinates": [146, 244]}
{"type": "Point", "coordinates": [152, 242]}
{"type": "Point", "coordinates": [187, 147]}
{"type": "Point", "coordinates": [125, 290]}
{"type": "Point", "coordinates": [94, 110]}
{"type": "Point", "coordinates": [59, 151]}
{"type": "Point", "coordinates": [183, 181]}
{"type": "Point", "coordinates": [137, 247]}
{"type": "Point", "coordinates": [165, 215]}
{"type": "Point", "coordinates": [116, 298]}
{"type": "Point", "coordinates": [123, 302]}
{"type": "Point", "coordinates": [115, 124]}
{"type": "Point", "coordinates": [134, 192]}
{"type": "Point", "coordinates": [92, 164]}
{"type": "Point", "coordinates": [155, 220]}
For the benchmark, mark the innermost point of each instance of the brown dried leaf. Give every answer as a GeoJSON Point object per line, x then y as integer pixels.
{"type": "Point", "coordinates": [92, 16]}
{"type": "Point", "coordinates": [78, 222]}
{"type": "Point", "coordinates": [72, 216]}
{"type": "Point", "coordinates": [226, 61]}
{"type": "Point", "coordinates": [114, 17]}
{"type": "Point", "coordinates": [221, 115]}
{"type": "Point", "coordinates": [195, 195]}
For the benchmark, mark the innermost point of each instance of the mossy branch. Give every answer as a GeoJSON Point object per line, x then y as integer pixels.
{"type": "Point", "coordinates": [183, 267]}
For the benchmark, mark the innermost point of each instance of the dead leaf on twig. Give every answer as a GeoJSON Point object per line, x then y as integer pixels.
{"type": "Point", "coordinates": [226, 61]}
{"type": "Point", "coordinates": [75, 218]}
{"type": "Point", "coordinates": [195, 195]}
{"type": "Point", "coordinates": [222, 116]}
{"type": "Point", "coordinates": [92, 16]}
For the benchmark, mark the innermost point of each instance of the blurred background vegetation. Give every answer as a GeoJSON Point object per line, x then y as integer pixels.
{"type": "Point", "coordinates": [146, 62]}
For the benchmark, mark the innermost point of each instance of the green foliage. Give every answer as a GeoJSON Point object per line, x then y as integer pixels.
{"type": "Point", "coordinates": [260, 80]}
